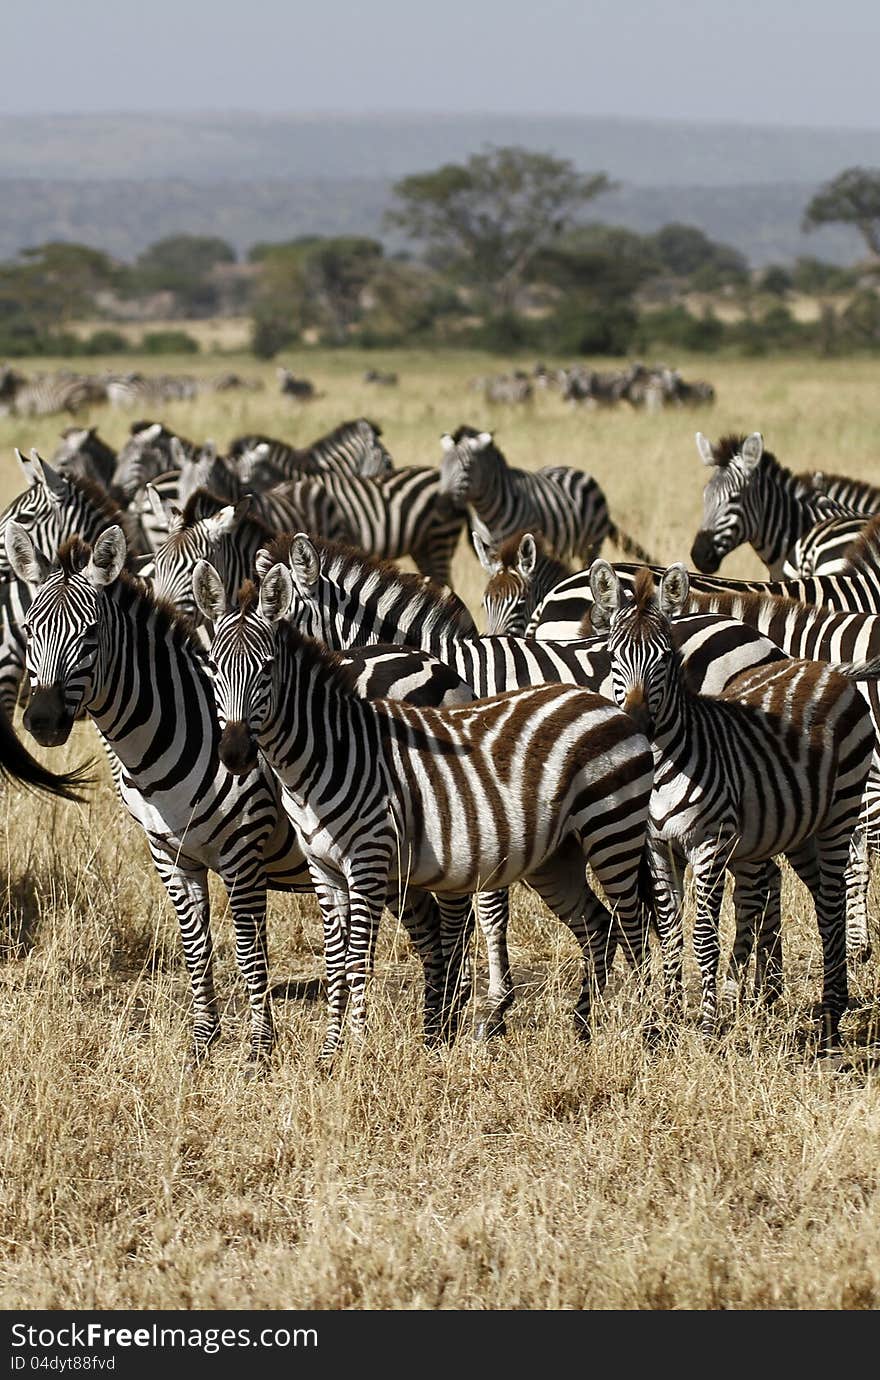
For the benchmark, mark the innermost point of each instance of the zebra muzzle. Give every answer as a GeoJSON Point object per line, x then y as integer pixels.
{"type": "Point", "coordinates": [704, 555]}
{"type": "Point", "coordinates": [636, 706]}
{"type": "Point", "coordinates": [238, 748]}
{"type": "Point", "coordinates": [47, 718]}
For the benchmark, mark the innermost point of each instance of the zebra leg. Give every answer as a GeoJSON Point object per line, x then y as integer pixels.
{"type": "Point", "coordinates": [247, 899]}
{"type": "Point", "coordinates": [858, 872]}
{"type": "Point", "coordinates": [188, 890]}
{"type": "Point", "coordinates": [456, 931]}
{"type": "Point", "coordinates": [708, 860]}
{"type": "Point", "coordinates": [667, 883]}
{"type": "Point", "coordinates": [821, 865]}
{"type": "Point", "coordinates": [757, 902]}
{"type": "Point", "coordinates": [561, 883]}
{"type": "Point", "coordinates": [421, 916]}
{"type": "Point", "coordinates": [333, 901]}
{"type": "Point", "coordinates": [367, 888]}
{"type": "Point", "coordinates": [493, 913]}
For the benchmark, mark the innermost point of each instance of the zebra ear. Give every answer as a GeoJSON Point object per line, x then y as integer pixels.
{"type": "Point", "coordinates": [605, 586]}
{"type": "Point", "coordinates": [262, 563]}
{"type": "Point", "coordinates": [107, 558]}
{"type": "Point", "coordinates": [26, 560]}
{"type": "Point", "coordinates": [226, 519]}
{"type": "Point", "coordinates": [161, 513]}
{"type": "Point", "coordinates": [305, 564]}
{"type": "Point", "coordinates": [704, 446]}
{"type": "Point", "coordinates": [482, 441]}
{"type": "Point", "coordinates": [30, 472]}
{"type": "Point", "coordinates": [56, 486]}
{"type": "Point", "coordinates": [276, 593]}
{"type": "Point", "coordinates": [446, 443]}
{"type": "Point", "coordinates": [149, 433]}
{"type": "Point", "coordinates": [526, 556]}
{"type": "Point", "coordinates": [208, 592]}
{"type": "Point", "coordinates": [177, 453]}
{"type": "Point", "coordinates": [674, 590]}
{"type": "Point", "coordinates": [752, 450]}
{"type": "Point", "coordinates": [487, 555]}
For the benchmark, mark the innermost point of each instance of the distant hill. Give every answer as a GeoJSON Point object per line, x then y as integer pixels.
{"type": "Point", "coordinates": [119, 182]}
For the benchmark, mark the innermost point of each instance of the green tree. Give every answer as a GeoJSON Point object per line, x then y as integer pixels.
{"type": "Point", "coordinates": [185, 265]}
{"type": "Point", "coordinates": [311, 283]}
{"type": "Point", "coordinates": [685, 250]}
{"type": "Point", "coordinates": [851, 198]}
{"type": "Point", "coordinates": [488, 219]}
{"type": "Point", "coordinates": [57, 281]}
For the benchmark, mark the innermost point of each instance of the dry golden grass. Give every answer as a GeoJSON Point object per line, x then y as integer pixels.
{"type": "Point", "coordinates": [532, 1174]}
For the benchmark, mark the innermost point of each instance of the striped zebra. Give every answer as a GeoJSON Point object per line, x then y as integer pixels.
{"type": "Point", "coordinates": [83, 453]}
{"type": "Point", "coordinates": [802, 631]}
{"type": "Point", "coordinates": [345, 599]}
{"type": "Point", "coordinates": [838, 545]}
{"type": "Point", "coordinates": [776, 764]}
{"type": "Point", "coordinates": [387, 797]}
{"type": "Point", "coordinates": [43, 395]}
{"type": "Point", "coordinates": [561, 613]}
{"type": "Point", "coordinates": [149, 390]}
{"type": "Point", "coordinates": [151, 450]}
{"type": "Point", "coordinates": [564, 505]}
{"type": "Point", "coordinates": [750, 497]}
{"type": "Point", "coordinates": [353, 446]}
{"type": "Point", "coordinates": [100, 643]}
{"type": "Point", "coordinates": [521, 574]}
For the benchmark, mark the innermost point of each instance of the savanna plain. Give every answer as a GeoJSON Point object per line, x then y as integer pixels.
{"type": "Point", "coordinates": [530, 1173]}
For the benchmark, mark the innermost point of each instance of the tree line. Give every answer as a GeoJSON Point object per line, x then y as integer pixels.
{"type": "Point", "coordinates": [499, 253]}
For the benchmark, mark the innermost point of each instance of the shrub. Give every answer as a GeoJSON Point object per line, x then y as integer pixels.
{"type": "Point", "coordinates": [169, 343]}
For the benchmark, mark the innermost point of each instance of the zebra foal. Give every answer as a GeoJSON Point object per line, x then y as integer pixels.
{"type": "Point", "coordinates": [530, 785]}
{"type": "Point", "coordinates": [777, 763]}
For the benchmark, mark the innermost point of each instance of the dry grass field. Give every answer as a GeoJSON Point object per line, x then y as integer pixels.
{"type": "Point", "coordinates": [532, 1174]}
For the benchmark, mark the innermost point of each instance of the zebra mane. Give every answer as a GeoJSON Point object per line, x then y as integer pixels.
{"type": "Point", "coordinates": [345, 565]}
{"type": "Point", "coordinates": [727, 449]}
{"type": "Point", "coordinates": [341, 430]}
{"type": "Point", "coordinates": [73, 556]}
{"type": "Point", "coordinates": [507, 552]}
{"type": "Point", "coordinates": [644, 593]}
{"type": "Point", "coordinates": [204, 503]}
{"type": "Point", "coordinates": [865, 547]}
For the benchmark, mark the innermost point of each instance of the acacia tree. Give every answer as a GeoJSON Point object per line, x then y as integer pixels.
{"type": "Point", "coordinates": [851, 198]}
{"type": "Point", "coordinates": [489, 218]}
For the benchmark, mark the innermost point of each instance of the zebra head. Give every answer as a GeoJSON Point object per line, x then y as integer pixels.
{"type": "Point", "coordinates": [242, 656]}
{"type": "Point", "coordinates": [640, 645]}
{"type": "Point", "coordinates": [729, 516]}
{"type": "Point", "coordinates": [187, 543]}
{"type": "Point", "coordinates": [510, 576]}
{"type": "Point", "coordinates": [48, 509]}
{"type": "Point", "coordinates": [146, 454]}
{"type": "Point", "coordinates": [205, 469]}
{"type": "Point", "coordinates": [63, 625]}
{"type": "Point", "coordinates": [319, 607]}
{"type": "Point", "coordinates": [469, 458]}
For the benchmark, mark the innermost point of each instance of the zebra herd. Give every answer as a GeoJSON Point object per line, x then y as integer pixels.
{"type": "Point", "coordinates": [43, 394]}
{"type": "Point", "coordinates": [646, 387]}
{"type": "Point", "coordinates": [284, 706]}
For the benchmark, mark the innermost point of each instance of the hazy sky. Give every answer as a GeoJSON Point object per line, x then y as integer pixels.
{"type": "Point", "coordinates": [799, 62]}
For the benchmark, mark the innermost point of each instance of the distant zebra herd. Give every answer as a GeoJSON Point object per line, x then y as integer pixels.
{"type": "Point", "coordinates": [645, 387]}
{"type": "Point", "coordinates": [285, 707]}
{"type": "Point", "coordinates": [44, 395]}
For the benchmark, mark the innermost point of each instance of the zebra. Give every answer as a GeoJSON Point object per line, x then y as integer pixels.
{"type": "Point", "coordinates": [565, 505]}
{"type": "Point", "coordinates": [353, 446]}
{"type": "Point", "coordinates": [100, 642]}
{"type": "Point", "coordinates": [521, 573]}
{"type": "Point", "coordinates": [46, 394]}
{"type": "Point", "coordinates": [384, 378]}
{"type": "Point", "coordinates": [803, 631]}
{"type": "Point", "coordinates": [345, 599]}
{"type": "Point", "coordinates": [530, 785]}
{"type": "Point", "coordinates": [560, 615]}
{"type": "Point", "coordinates": [82, 452]}
{"type": "Point", "coordinates": [776, 764]}
{"type": "Point", "coordinates": [142, 390]}
{"type": "Point", "coordinates": [293, 387]}
{"type": "Point", "coordinates": [151, 450]}
{"type": "Point", "coordinates": [837, 545]}
{"type": "Point", "coordinates": [750, 497]}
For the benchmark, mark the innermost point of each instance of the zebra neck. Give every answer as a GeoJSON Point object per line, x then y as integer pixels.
{"type": "Point", "coordinates": [154, 690]}
{"type": "Point", "coordinates": [676, 712]}
{"type": "Point", "coordinates": [486, 498]}
{"type": "Point", "coordinates": [785, 510]}
{"type": "Point", "coordinates": [316, 728]}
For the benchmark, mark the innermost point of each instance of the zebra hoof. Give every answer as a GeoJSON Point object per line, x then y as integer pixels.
{"type": "Point", "coordinates": [860, 953]}
{"type": "Point", "coordinates": [489, 1028]}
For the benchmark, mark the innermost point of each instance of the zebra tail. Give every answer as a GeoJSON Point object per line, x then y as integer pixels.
{"type": "Point", "coordinates": [629, 546]}
{"type": "Point", "coordinates": [16, 764]}
{"type": "Point", "coordinates": [858, 670]}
